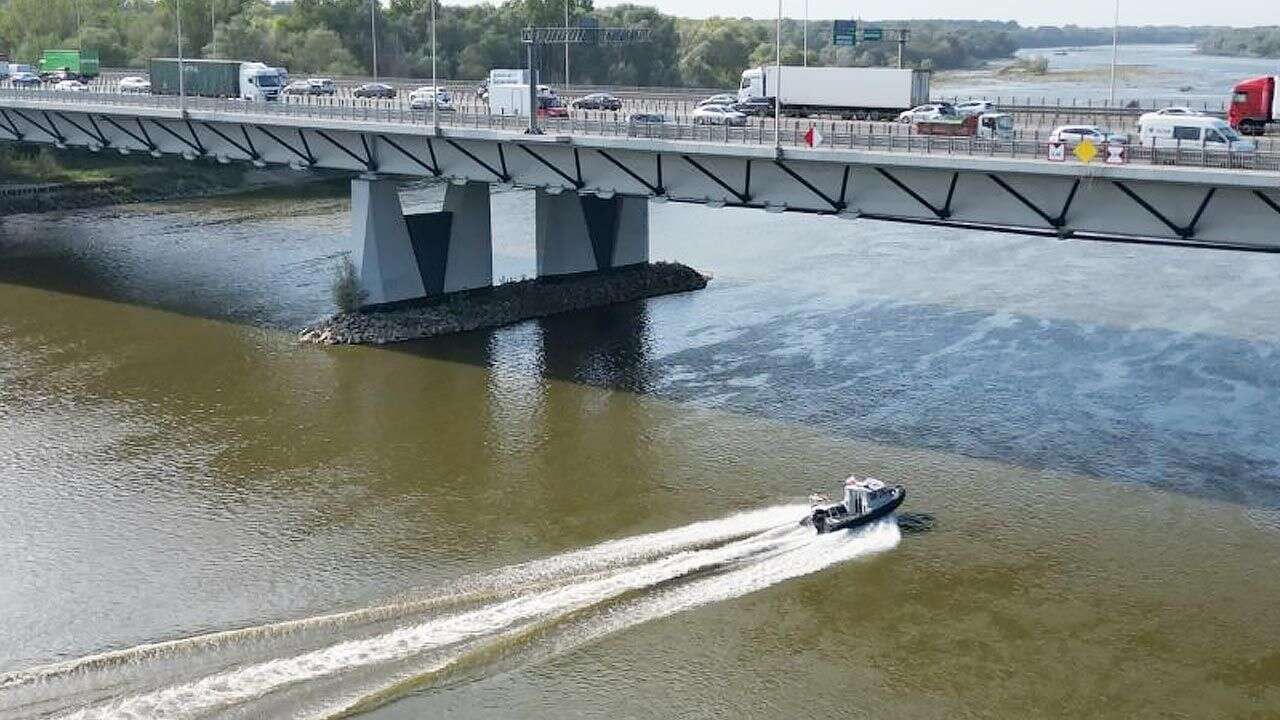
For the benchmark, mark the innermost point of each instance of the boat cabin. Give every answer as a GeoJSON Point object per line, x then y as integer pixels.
{"type": "Point", "coordinates": [861, 496]}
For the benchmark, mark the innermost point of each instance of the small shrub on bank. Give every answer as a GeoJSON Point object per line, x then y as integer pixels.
{"type": "Point", "coordinates": [1033, 65]}
{"type": "Point", "coordinates": [348, 295]}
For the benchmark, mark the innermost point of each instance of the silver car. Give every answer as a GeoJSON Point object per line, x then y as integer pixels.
{"type": "Point", "coordinates": [1072, 135]}
{"type": "Point", "coordinates": [718, 115]}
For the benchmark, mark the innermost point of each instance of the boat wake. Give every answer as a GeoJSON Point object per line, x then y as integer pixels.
{"type": "Point", "coordinates": [344, 663]}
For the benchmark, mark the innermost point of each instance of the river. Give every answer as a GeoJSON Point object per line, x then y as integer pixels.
{"type": "Point", "coordinates": [593, 515]}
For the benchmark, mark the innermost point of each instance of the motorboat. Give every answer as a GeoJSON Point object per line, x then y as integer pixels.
{"type": "Point", "coordinates": [864, 501]}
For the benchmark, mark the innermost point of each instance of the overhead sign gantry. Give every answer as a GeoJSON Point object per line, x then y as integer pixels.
{"type": "Point", "coordinates": [585, 34]}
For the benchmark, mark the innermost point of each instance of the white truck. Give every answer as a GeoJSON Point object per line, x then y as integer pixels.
{"type": "Point", "coordinates": [862, 93]}
{"type": "Point", "coordinates": [508, 94]}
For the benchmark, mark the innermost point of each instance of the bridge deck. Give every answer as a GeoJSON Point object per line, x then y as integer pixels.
{"type": "Point", "coordinates": [836, 135]}
{"type": "Point", "coordinates": [1196, 196]}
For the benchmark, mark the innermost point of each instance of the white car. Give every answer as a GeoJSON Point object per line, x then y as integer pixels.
{"type": "Point", "coordinates": [926, 113]}
{"type": "Point", "coordinates": [975, 107]}
{"type": "Point", "coordinates": [322, 86]}
{"type": "Point", "coordinates": [134, 84]}
{"type": "Point", "coordinates": [1072, 135]}
{"type": "Point", "coordinates": [1177, 110]}
{"type": "Point", "coordinates": [718, 115]}
{"type": "Point", "coordinates": [70, 86]}
{"type": "Point", "coordinates": [420, 99]}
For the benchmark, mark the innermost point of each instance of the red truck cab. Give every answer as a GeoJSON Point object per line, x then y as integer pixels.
{"type": "Point", "coordinates": [1254, 104]}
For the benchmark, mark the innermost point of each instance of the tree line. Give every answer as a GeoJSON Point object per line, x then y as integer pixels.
{"type": "Point", "coordinates": [1242, 42]}
{"type": "Point", "coordinates": [336, 37]}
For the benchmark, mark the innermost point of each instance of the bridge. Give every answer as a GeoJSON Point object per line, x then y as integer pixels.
{"type": "Point", "coordinates": [594, 179]}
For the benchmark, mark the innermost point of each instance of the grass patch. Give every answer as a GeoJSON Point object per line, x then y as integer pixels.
{"type": "Point", "coordinates": [22, 164]}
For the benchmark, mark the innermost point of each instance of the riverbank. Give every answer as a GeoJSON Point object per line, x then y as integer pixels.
{"type": "Point", "coordinates": [74, 179]}
{"type": "Point", "coordinates": [504, 304]}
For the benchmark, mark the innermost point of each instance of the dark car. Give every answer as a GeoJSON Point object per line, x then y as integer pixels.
{"type": "Point", "coordinates": [647, 124]}
{"type": "Point", "coordinates": [598, 101]}
{"type": "Point", "coordinates": [58, 76]}
{"type": "Point", "coordinates": [25, 79]}
{"type": "Point", "coordinates": [757, 106]}
{"type": "Point", "coordinates": [375, 90]}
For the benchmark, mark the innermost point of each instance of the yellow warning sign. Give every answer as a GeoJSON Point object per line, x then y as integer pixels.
{"type": "Point", "coordinates": [1086, 151]}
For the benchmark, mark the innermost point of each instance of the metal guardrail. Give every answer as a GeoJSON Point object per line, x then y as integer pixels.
{"type": "Point", "coordinates": [1009, 102]}
{"type": "Point", "coordinates": [841, 135]}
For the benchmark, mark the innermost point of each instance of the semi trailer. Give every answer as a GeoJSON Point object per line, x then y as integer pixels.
{"type": "Point", "coordinates": [253, 81]}
{"type": "Point", "coordinates": [862, 93]}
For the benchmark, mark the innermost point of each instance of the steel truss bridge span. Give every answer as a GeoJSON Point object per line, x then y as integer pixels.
{"type": "Point", "coordinates": [1199, 206]}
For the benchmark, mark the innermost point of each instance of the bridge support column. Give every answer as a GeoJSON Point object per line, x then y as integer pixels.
{"type": "Point", "coordinates": [577, 234]}
{"type": "Point", "coordinates": [404, 257]}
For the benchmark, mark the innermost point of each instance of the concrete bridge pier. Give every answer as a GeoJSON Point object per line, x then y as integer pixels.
{"type": "Point", "coordinates": [584, 233]}
{"type": "Point", "coordinates": [405, 257]}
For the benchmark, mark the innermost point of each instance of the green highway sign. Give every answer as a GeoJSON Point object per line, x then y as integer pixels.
{"type": "Point", "coordinates": [873, 34]}
{"type": "Point", "coordinates": [845, 33]}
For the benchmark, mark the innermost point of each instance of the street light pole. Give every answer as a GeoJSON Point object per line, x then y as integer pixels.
{"type": "Point", "coordinates": [777, 90]}
{"type": "Point", "coordinates": [373, 32]}
{"type": "Point", "coordinates": [213, 30]}
{"type": "Point", "coordinates": [182, 75]}
{"type": "Point", "coordinates": [435, 87]}
{"type": "Point", "coordinates": [533, 90]}
{"type": "Point", "coordinates": [566, 44]}
{"type": "Point", "coordinates": [806, 33]}
{"type": "Point", "coordinates": [1115, 50]}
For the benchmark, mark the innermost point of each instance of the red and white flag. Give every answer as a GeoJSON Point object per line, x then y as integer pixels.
{"type": "Point", "coordinates": [813, 138]}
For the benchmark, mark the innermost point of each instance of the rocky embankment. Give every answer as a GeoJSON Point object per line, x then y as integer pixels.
{"type": "Point", "coordinates": [503, 305]}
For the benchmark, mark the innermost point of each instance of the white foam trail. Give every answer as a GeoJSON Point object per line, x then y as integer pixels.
{"type": "Point", "coordinates": [243, 684]}
{"type": "Point", "coordinates": [822, 552]}
{"type": "Point", "coordinates": [668, 571]}
{"type": "Point", "coordinates": [786, 562]}
{"type": "Point", "coordinates": [604, 556]}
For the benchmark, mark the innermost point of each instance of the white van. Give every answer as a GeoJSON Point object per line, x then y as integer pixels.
{"type": "Point", "coordinates": [1190, 132]}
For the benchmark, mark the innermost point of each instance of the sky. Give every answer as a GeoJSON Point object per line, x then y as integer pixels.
{"type": "Point", "coordinates": [1026, 12]}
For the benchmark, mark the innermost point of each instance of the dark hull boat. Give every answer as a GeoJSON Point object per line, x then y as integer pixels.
{"type": "Point", "coordinates": [864, 501]}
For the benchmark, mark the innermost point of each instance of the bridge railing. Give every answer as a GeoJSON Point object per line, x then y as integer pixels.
{"type": "Point", "coordinates": [840, 135]}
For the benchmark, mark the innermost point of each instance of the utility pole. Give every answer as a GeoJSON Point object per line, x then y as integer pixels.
{"type": "Point", "coordinates": [79, 33]}
{"type": "Point", "coordinates": [1115, 51]}
{"type": "Point", "coordinates": [435, 87]}
{"type": "Point", "coordinates": [806, 33]}
{"type": "Point", "coordinates": [182, 75]}
{"type": "Point", "coordinates": [566, 44]}
{"type": "Point", "coordinates": [777, 91]}
{"type": "Point", "coordinates": [213, 30]}
{"type": "Point", "coordinates": [373, 32]}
